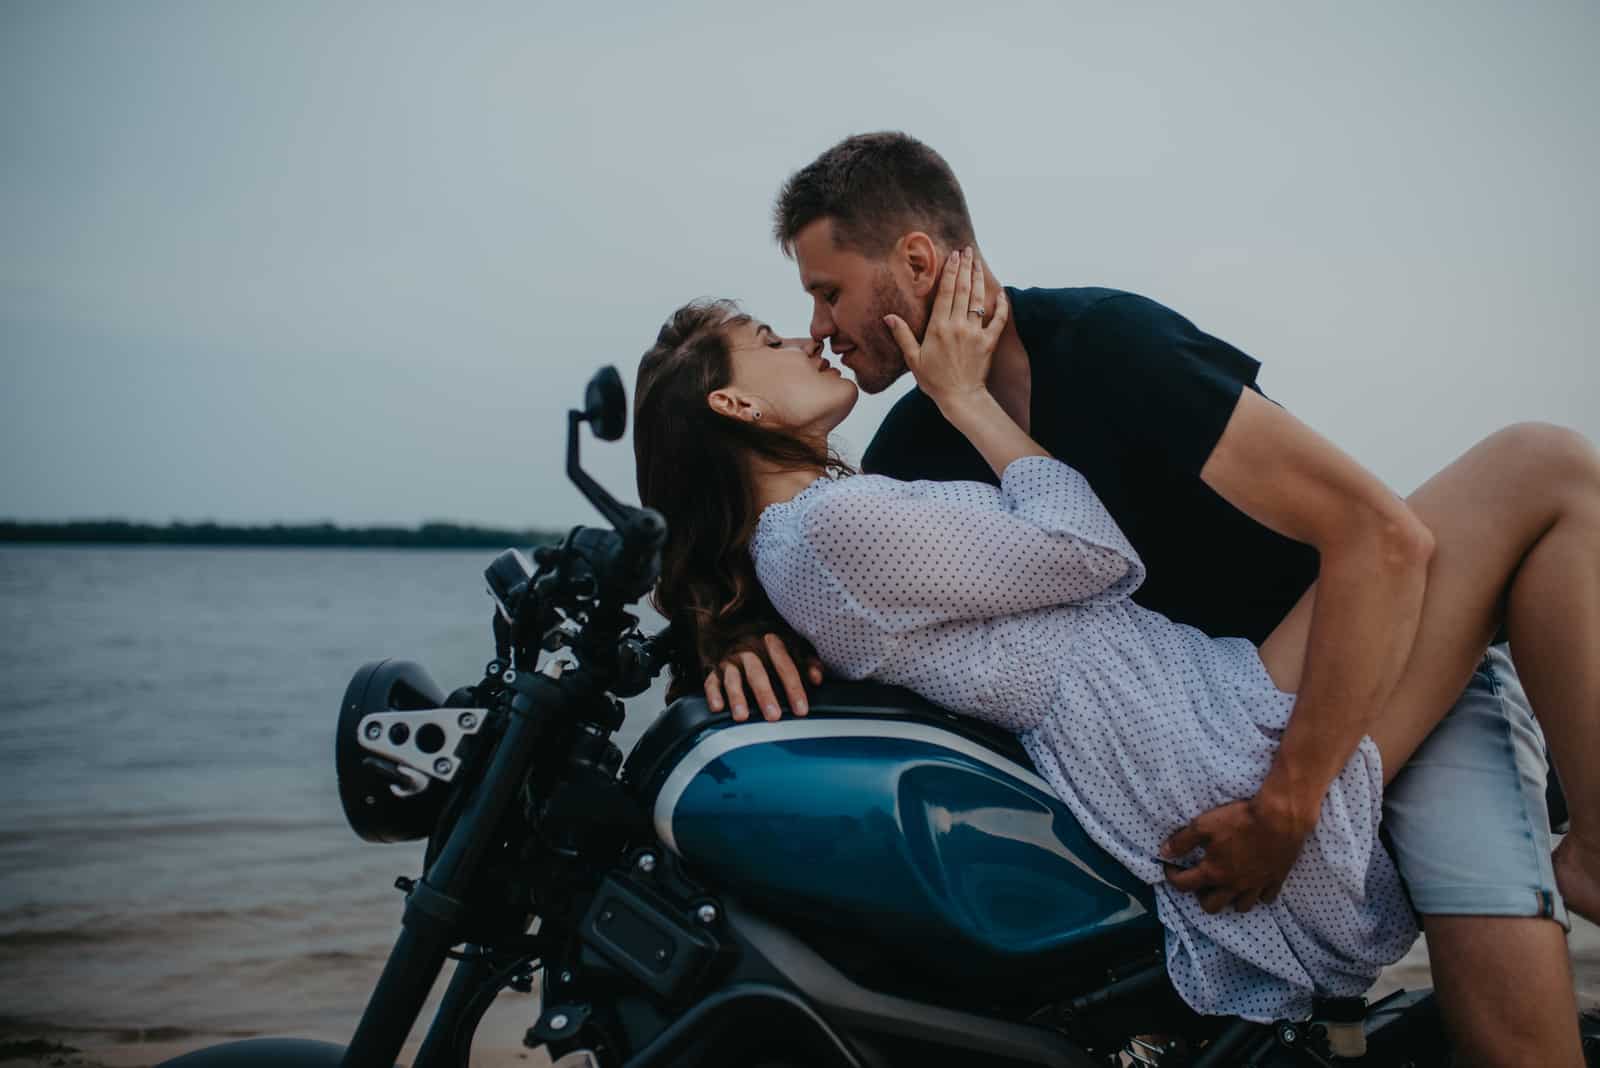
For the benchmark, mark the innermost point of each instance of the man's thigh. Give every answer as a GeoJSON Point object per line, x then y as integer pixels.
{"type": "Point", "coordinates": [1466, 818]}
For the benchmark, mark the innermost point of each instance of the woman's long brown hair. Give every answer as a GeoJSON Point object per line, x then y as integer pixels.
{"type": "Point", "coordinates": [693, 467]}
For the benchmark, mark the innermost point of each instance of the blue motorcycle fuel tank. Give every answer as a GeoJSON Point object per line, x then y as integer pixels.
{"type": "Point", "coordinates": [894, 824]}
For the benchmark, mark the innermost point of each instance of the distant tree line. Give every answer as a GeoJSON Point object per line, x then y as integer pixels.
{"type": "Point", "coordinates": [426, 536]}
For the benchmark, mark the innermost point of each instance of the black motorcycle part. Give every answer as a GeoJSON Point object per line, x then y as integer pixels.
{"type": "Point", "coordinates": [454, 1022]}
{"type": "Point", "coordinates": [721, 1027]}
{"type": "Point", "coordinates": [263, 1053]}
{"type": "Point", "coordinates": [892, 1020]}
{"type": "Point", "coordinates": [605, 404]}
{"type": "Point", "coordinates": [642, 938]}
{"type": "Point", "coordinates": [429, 921]}
{"type": "Point", "coordinates": [370, 807]}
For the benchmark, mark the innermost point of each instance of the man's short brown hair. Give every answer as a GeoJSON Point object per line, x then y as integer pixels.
{"type": "Point", "coordinates": [876, 188]}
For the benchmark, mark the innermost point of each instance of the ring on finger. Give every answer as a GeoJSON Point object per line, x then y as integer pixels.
{"type": "Point", "coordinates": [975, 311]}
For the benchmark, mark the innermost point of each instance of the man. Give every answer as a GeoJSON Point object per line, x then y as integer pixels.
{"type": "Point", "coordinates": [1236, 508]}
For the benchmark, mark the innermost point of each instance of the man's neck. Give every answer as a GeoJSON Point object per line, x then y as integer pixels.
{"type": "Point", "coordinates": [1010, 378]}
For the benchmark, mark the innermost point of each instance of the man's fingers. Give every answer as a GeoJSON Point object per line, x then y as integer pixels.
{"type": "Point", "coordinates": [814, 672]}
{"type": "Point", "coordinates": [788, 674]}
{"type": "Point", "coordinates": [1270, 894]}
{"type": "Point", "coordinates": [713, 692]}
{"type": "Point", "coordinates": [734, 685]}
{"type": "Point", "coordinates": [1215, 901]}
{"type": "Point", "coordinates": [760, 686]}
{"type": "Point", "coordinates": [1184, 840]}
{"type": "Point", "coordinates": [1191, 880]}
{"type": "Point", "coordinates": [1247, 900]}
{"type": "Point", "coordinates": [903, 337]}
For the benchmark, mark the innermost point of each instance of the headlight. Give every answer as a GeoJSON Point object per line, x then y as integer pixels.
{"type": "Point", "coordinates": [383, 803]}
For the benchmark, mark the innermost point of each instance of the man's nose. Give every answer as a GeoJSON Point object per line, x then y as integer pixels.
{"type": "Point", "coordinates": [821, 323]}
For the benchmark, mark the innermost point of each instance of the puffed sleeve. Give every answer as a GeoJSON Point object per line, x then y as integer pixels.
{"type": "Point", "coordinates": [908, 560]}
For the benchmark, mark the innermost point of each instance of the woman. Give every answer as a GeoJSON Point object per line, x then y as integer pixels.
{"type": "Point", "coordinates": [1012, 604]}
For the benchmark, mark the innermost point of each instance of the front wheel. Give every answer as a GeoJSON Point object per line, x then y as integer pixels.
{"type": "Point", "coordinates": [263, 1053]}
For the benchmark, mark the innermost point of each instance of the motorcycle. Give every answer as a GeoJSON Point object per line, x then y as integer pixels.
{"type": "Point", "coordinates": [881, 883]}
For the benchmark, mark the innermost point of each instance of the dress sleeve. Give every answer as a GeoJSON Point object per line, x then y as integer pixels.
{"type": "Point", "coordinates": [906, 560]}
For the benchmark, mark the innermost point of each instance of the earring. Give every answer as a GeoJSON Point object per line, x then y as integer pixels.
{"type": "Point", "coordinates": [756, 414]}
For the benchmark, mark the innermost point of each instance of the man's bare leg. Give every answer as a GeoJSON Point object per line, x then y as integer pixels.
{"type": "Point", "coordinates": [1505, 990]}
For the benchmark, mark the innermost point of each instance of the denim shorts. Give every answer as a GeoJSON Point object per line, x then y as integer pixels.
{"type": "Point", "coordinates": [1467, 819]}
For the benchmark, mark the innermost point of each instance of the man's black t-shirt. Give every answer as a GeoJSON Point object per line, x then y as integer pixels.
{"type": "Point", "coordinates": [1134, 396]}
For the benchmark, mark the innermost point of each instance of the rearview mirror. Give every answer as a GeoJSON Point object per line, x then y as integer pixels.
{"type": "Point", "coordinates": [605, 405]}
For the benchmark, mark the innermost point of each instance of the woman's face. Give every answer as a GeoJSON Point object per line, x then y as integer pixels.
{"type": "Point", "coordinates": [786, 380]}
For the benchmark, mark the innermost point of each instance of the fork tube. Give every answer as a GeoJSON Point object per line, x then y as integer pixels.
{"type": "Point", "coordinates": [434, 906]}
{"type": "Point", "coordinates": [441, 1048]}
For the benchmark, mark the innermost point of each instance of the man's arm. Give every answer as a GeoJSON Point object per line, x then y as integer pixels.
{"type": "Point", "coordinates": [1374, 558]}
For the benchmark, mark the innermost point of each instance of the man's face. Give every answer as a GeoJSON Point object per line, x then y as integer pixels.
{"type": "Point", "coordinates": [850, 295]}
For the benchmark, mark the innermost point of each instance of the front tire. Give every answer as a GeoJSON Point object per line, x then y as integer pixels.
{"type": "Point", "coordinates": [262, 1053]}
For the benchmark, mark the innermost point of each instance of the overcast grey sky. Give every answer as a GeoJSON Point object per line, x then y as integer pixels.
{"type": "Point", "coordinates": [354, 261]}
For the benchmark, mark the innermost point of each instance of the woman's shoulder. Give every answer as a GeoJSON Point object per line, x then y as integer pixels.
{"type": "Point", "coordinates": [830, 502]}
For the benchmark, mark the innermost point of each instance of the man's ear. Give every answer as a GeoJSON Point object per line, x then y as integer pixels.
{"type": "Point", "coordinates": [922, 262]}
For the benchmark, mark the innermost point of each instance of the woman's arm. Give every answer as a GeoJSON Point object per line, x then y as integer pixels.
{"type": "Point", "coordinates": [903, 559]}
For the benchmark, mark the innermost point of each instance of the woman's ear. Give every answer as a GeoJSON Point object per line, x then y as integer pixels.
{"type": "Point", "coordinates": [734, 405]}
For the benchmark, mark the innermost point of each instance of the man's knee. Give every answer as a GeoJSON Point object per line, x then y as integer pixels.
{"type": "Point", "coordinates": [1504, 986]}
{"type": "Point", "coordinates": [1559, 459]}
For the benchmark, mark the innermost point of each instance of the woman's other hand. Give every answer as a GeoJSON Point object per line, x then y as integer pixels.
{"type": "Point", "coordinates": [951, 363]}
{"type": "Point", "coordinates": [725, 685]}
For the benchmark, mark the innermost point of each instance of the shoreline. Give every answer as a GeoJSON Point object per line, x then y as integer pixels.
{"type": "Point", "coordinates": [42, 1044]}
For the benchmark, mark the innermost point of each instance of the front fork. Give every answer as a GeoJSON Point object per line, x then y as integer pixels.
{"type": "Point", "coordinates": [436, 904]}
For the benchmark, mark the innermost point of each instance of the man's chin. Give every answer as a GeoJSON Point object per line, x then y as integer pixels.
{"type": "Point", "coordinates": [877, 379]}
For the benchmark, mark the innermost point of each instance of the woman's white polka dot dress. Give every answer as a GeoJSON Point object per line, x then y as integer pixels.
{"type": "Point", "coordinates": [1011, 604]}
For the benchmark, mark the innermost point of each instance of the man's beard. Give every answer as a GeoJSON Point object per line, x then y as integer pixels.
{"type": "Point", "coordinates": [881, 362]}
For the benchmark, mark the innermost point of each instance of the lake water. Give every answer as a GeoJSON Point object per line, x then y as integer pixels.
{"type": "Point", "coordinates": [173, 857]}
{"type": "Point", "coordinates": [172, 851]}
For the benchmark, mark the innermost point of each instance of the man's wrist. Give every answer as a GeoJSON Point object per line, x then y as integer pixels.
{"type": "Point", "coordinates": [1291, 805]}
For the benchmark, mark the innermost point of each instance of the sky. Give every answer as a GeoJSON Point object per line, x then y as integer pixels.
{"type": "Point", "coordinates": [348, 261]}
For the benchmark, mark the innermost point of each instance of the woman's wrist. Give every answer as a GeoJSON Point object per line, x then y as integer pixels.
{"type": "Point", "coordinates": [963, 407]}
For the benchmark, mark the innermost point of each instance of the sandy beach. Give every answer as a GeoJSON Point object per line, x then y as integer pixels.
{"type": "Point", "coordinates": [499, 1042]}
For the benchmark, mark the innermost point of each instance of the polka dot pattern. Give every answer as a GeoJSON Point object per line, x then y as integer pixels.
{"type": "Point", "coordinates": [1011, 604]}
